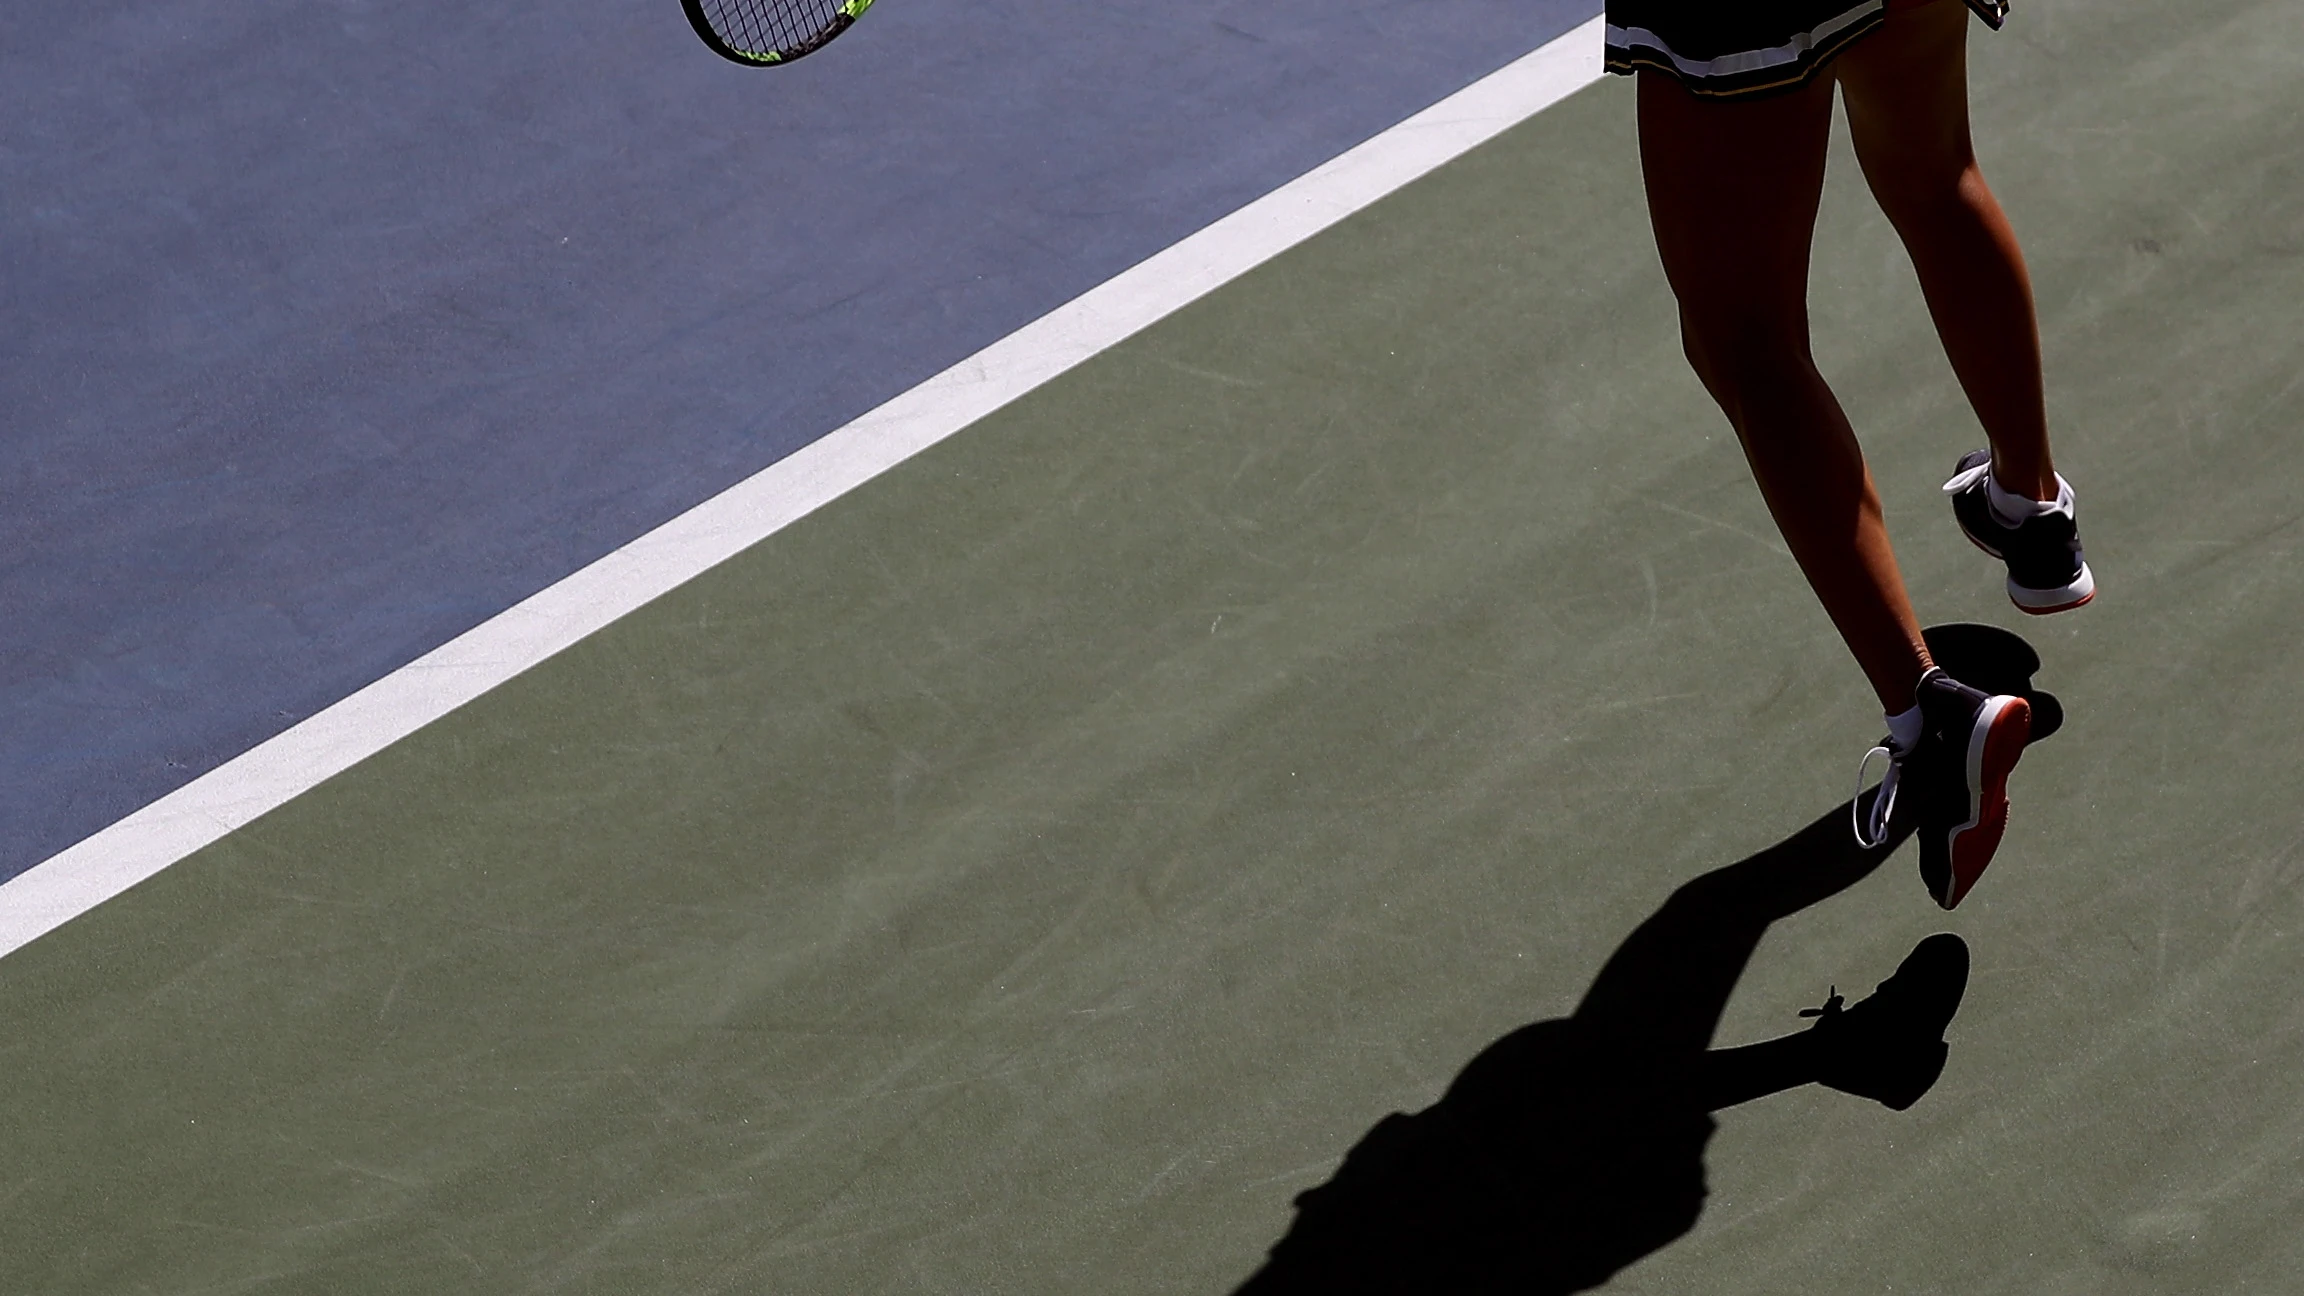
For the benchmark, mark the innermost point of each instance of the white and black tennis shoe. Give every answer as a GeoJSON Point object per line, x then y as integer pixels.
{"type": "Point", "coordinates": [1955, 779]}
{"type": "Point", "coordinates": [2046, 570]}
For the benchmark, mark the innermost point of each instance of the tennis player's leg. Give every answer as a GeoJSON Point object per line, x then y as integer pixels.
{"type": "Point", "coordinates": [1906, 91]}
{"type": "Point", "coordinates": [1733, 188]}
{"type": "Point", "coordinates": [1906, 88]}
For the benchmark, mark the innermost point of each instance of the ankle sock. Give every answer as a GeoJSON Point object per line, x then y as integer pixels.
{"type": "Point", "coordinates": [1904, 728]}
{"type": "Point", "coordinates": [2014, 510]}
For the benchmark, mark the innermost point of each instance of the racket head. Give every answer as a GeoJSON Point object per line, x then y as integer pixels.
{"type": "Point", "coordinates": [766, 33]}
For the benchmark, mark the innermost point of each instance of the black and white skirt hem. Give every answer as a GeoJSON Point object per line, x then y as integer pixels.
{"type": "Point", "coordinates": [1749, 49]}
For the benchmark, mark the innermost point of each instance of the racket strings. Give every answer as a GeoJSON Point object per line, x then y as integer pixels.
{"type": "Point", "coordinates": [775, 27]}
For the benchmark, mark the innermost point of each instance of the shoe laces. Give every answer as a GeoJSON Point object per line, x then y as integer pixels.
{"type": "Point", "coordinates": [1967, 478]}
{"type": "Point", "coordinates": [1872, 828]}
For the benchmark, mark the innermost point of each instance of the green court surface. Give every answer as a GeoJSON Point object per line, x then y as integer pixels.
{"type": "Point", "coordinates": [1029, 872]}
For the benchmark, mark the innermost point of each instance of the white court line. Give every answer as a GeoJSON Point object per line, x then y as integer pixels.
{"type": "Point", "coordinates": [79, 878]}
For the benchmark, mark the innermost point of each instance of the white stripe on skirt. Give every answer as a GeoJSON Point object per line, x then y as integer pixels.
{"type": "Point", "coordinates": [1727, 65]}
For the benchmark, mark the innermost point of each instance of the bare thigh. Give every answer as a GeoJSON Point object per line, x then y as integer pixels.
{"type": "Point", "coordinates": [1733, 188]}
{"type": "Point", "coordinates": [1906, 91]}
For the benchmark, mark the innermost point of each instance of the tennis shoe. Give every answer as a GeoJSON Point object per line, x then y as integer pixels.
{"type": "Point", "coordinates": [1890, 1048]}
{"type": "Point", "coordinates": [1956, 779]}
{"type": "Point", "coordinates": [2046, 569]}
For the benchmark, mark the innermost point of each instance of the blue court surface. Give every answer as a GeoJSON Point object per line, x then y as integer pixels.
{"type": "Point", "coordinates": [955, 667]}
{"type": "Point", "coordinates": [334, 331]}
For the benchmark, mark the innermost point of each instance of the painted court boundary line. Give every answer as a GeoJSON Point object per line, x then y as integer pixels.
{"type": "Point", "coordinates": [110, 861]}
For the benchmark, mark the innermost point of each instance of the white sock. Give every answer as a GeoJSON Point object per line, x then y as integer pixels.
{"type": "Point", "coordinates": [1904, 729]}
{"type": "Point", "coordinates": [2014, 510]}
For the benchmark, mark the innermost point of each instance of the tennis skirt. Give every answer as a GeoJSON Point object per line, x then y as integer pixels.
{"type": "Point", "coordinates": [1731, 49]}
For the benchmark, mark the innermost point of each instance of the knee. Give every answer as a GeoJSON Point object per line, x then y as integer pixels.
{"type": "Point", "coordinates": [1930, 204]}
{"type": "Point", "coordinates": [1692, 346]}
{"type": "Point", "coordinates": [1736, 353]}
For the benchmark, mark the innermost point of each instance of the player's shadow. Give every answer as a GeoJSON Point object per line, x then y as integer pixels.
{"type": "Point", "coordinates": [1572, 1147]}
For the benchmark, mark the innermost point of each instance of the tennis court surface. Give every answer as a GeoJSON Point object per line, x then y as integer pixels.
{"type": "Point", "coordinates": [1033, 868]}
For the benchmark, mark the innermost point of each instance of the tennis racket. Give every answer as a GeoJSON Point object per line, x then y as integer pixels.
{"type": "Point", "coordinates": [763, 33]}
